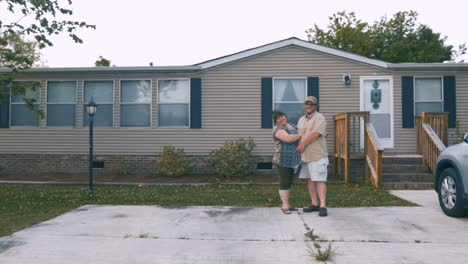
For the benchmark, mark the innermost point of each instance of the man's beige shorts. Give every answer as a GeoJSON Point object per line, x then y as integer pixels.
{"type": "Point", "coordinates": [315, 170]}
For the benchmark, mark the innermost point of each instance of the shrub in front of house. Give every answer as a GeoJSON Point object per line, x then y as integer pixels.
{"type": "Point", "coordinates": [233, 159]}
{"type": "Point", "coordinates": [174, 162]}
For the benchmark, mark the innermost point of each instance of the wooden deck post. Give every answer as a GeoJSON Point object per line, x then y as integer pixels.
{"type": "Point", "coordinates": [346, 149]}
{"type": "Point", "coordinates": [366, 148]}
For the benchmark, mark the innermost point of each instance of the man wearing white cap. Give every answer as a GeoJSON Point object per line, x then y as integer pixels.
{"type": "Point", "coordinates": [314, 156]}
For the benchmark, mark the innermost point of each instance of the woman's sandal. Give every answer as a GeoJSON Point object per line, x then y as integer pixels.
{"type": "Point", "coordinates": [286, 211]}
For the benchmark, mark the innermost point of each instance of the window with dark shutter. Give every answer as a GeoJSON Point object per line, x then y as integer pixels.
{"type": "Point", "coordinates": [407, 96]}
{"type": "Point", "coordinates": [195, 103]}
{"type": "Point", "coordinates": [313, 89]}
{"type": "Point", "coordinates": [450, 100]}
{"type": "Point", "coordinates": [267, 102]}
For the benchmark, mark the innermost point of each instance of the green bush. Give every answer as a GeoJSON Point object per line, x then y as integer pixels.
{"type": "Point", "coordinates": [174, 162]}
{"type": "Point", "coordinates": [233, 159]}
{"type": "Point", "coordinates": [119, 167]}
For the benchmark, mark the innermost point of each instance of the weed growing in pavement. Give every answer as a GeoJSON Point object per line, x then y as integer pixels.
{"type": "Point", "coordinates": [319, 254]}
{"type": "Point", "coordinates": [311, 236]}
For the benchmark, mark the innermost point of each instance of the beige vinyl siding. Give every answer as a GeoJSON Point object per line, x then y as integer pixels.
{"type": "Point", "coordinates": [79, 103]}
{"type": "Point", "coordinates": [405, 138]}
{"type": "Point", "coordinates": [154, 103]}
{"type": "Point", "coordinates": [232, 94]}
{"type": "Point", "coordinates": [462, 105]}
{"type": "Point", "coordinates": [43, 122]}
{"type": "Point", "coordinates": [116, 103]}
{"type": "Point", "coordinates": [231, 103]}
{"type": "Point", "coordinates": [108, 141]}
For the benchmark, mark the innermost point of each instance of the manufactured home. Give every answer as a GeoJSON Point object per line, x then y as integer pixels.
{"type": "Point", "coordinates": [199, 107]}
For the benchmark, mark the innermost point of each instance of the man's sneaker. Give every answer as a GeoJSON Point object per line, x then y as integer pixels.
{"type": "Point", "coordinates": [312, 208]}
{"type": "Point", "coordinates": [323, 211]}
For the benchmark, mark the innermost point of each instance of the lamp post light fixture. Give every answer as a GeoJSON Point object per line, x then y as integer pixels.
{"type": "Point", "coordinates": [91, 108]}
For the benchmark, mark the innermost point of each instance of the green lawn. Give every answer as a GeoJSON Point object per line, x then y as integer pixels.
{"type": "Point", "coordinates": [24, 205]}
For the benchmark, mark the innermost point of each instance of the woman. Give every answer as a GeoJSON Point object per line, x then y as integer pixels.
{"type": "Point", "coordinates": [285, 157]}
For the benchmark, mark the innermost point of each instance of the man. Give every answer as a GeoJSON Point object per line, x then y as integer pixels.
{"type": "Point", "coordinates": [314, 156]}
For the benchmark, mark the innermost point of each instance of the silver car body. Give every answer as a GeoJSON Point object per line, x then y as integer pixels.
{"type": "Point", "coordinates": [455, 156]}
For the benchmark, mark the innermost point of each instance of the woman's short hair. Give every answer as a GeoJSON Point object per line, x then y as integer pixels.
{"type": "Point", "coordinates": [277, 114]}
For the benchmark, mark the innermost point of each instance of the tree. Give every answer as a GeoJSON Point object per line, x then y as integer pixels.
{"type": "Point", "coordinates": [16, 52]}
{"type": "Point", "coordinates": [102, 62]}
{"type": "Point", "coordinates": [25, 28]}
{"type": "Point", "coordinates": [398, 39]}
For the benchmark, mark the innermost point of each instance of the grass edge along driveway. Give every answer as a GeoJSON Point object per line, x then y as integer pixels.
{"type": "Point", "coordinates": [23, 205]}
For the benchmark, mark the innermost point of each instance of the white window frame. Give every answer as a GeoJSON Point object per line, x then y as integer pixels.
{"type": "Point", "coordinates": [38, 103]}
{"type": "Point", "coordinates": [47, 102]}
{"type": "Point", "coordinates": [122, 103]}
{"type": "Point", "coordinates": [428, 101]}
{"type": "Point", "coordinates": [189, 102]}
{"type": "Point", "coordinates": [113, 101]}
{"type": "Point", "coordinates": [292, 102]}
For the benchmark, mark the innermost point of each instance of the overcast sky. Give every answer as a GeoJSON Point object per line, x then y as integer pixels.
{"type": "Point", "coordinates": [185, 32]}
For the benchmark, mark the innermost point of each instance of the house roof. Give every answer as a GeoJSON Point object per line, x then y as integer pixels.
{"type": "Point", "coordinates": [254, 52]}
{"type": "Point", "coordinates": [290, 42]}
{"type": "Point", "coordinates": [331, 51]}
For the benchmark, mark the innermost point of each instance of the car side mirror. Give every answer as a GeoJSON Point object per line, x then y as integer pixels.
{"type": "Point", "coordinates": [465, 138]}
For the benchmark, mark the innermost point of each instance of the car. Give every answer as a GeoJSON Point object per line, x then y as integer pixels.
{"type": "Point", "coordinates": [451, 179]}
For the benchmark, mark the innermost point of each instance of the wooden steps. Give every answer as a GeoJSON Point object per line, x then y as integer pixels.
{"type": "Point", "coordinates": [406, 172]}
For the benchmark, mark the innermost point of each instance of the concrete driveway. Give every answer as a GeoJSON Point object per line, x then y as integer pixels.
{"type": "Point", "coordinates": [154, 234]}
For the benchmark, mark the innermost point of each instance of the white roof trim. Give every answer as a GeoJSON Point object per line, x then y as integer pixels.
{"type": "Point", "coordinates": [427, 66]}
{"type": "Point", "coordinates": [288, 42]}
{"type": "Point", "coordinates": [112, 69]}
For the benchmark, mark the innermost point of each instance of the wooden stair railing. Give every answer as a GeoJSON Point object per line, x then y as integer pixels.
{"type": "Point", "coordinates": [348, 144]}
{"type": "Point", "coordinates": [341, 145]}
{"type": "Point", "coordinates": [374, 153]}
{"type": "Point", "coordinates": [432, 136]}
{"type": "Point", "coordinates": [438, 123]}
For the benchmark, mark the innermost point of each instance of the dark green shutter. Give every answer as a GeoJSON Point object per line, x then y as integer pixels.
{"type": "Point", "coordinates": [5, 107]}
{"type": "Point", "coordinates": [267, 102]}
{"type": "Point", "coordinates": [313, 89]}
{"type": "Point", "coordinates": [195, 103]}
{"type": "Point", "coordinates": [450, 100]}
{"type": "Point", "coordinates": [407, 97]}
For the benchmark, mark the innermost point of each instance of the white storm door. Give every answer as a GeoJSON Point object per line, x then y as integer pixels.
{"type": "Point", "coordinates": [377, 98]}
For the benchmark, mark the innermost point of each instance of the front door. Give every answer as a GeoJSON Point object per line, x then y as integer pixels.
{"type": "Point", "coordinates": [377, 98]}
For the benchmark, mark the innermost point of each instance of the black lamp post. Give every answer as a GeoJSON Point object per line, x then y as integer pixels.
{"type": "Point", "coordinates": [91, 108]}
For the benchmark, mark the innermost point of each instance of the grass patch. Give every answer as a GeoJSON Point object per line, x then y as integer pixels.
{"type": "Point", "coordinates": [319, 254]}
{"type": "Point", "coordinates": [24, 205]}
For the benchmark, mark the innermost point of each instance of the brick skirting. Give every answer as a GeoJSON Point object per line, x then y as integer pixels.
{"type": "Point", "coordinates": [65, 163]}
{"type": "Point", "coordinates": [121, 165]}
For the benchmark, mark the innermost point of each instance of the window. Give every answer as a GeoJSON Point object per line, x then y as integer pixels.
{"type": "Point", "coordinates": [173, 103]}
{"type": "Point", "coordinates": [428, 95]}
{"type": "Point", "coordinates": [61, 103]}
{"type": "Point", "coordinates": [135, 99]}
{"type": "Point", "coordinates": [21, 114]}
{"type": "Point", "coordinates": [102, 93]}
{"type": "Point", "coordinates": [289, 95]}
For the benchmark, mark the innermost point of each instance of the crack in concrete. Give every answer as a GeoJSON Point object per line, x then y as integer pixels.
{"type": "Point", "coordinates": [307, 227]}
{"type": "Point", "coordinates": [218, 239]}
{"type": "Point", "coordinates": [4, 245]}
